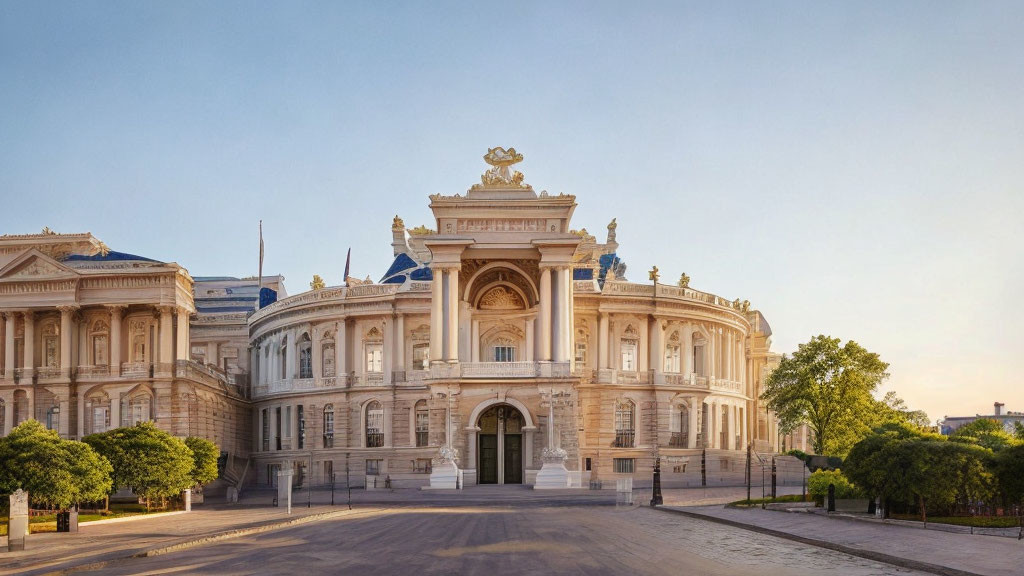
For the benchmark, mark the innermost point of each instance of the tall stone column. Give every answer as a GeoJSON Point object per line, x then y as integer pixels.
{"type": "Point", "coordinates": [474, 344]}
{"type": "Point", "coordinates": [687, 350]}
{"type": "Point", "coordinates": [8, 417]}
{"type": "Point", "coordinates": [183, 336]}
{"type": "Point", "coordinates": [743, 427]}
{"type": "Point", "coordinates": [399, 350]}
{"type": "Point", "coordinates": [66, 313]}
{"type": "Point", "coordinates": [9, 347]}
{"type": "Point", "coordinates": [714, 425]}
{"type": "Point", "coordinates": [29, 359]}
{"type": "Point", "coordinates": [694, 423]}
{"type": "Point", "coordinates": [453, 315]}
{"type": "Point", "coordinates": [602, 340]}
{"type": "Point", "coordinates": [569, 336]}
{"type": "Point", "coordinates": [436, 312]}
{"type": "Point", "coordinates": [530, 330]}
{"type": "Point", "coordinates": [388, 362]}
{"type": "Point", "coordinates": [657, 348]}
{"type": "Point", "coordinates": [166, 357]}
{"type": "Point", "coordinates": [643, 352]}
{"type": "Point", "coordinates": [341, 349]}
{"type": "Point", "coordinates": [114, 355]}
{"type": "Point", "coordinates": [545, 314]}
{"type": "Point", "coordinates": [731, 434]}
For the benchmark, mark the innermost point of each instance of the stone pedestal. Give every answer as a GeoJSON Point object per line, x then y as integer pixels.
{"type": "Point", "coordinates": [445, 473]}
{"type": "Point", "coordinates": [553, 473]}
{"type": "Point", "coordinates": [232, 495]}
{"type": "Point", "coordinates": [17, 527]}
{"type": "Point", "coordinates": [186, 496]}
{"type": "Point", "coordinates": [284, 490]}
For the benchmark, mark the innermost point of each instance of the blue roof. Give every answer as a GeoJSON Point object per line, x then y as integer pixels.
{"type": "Point", "coordinates": [582, 274]}
{"type": "Point", "coordinates": [110, 256]}
{"type": "Point", "coordinates": [606, 261]}
{"type": "Point", "coordinates": [424, 273]}
{"type": "Point", "coordinates": [402, 262]}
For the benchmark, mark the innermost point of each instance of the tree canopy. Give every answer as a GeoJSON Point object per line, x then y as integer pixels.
{"type": "Point", "coordinates": [829, 386]}
{"type": "Point", "coordinates": [204, 460]}
{"type": "Point", "coordinates": [55, 472]}
{"type": "Point", "coordinates": [985, 432]}
{"type": "Point", "coordinates": [149, 461]}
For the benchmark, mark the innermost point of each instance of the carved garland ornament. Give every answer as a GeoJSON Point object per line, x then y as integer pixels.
{"type": "Point", "coordinates": [501, 298]}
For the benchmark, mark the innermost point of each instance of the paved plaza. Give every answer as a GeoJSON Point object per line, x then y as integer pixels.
{"type": "Point", "coordinates": [502, 530]}
{"type": "Point", "coordinates": [503, 540]}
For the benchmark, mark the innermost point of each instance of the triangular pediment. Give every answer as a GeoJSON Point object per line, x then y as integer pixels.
{"type": "Point", "coordinates": [34, 265]}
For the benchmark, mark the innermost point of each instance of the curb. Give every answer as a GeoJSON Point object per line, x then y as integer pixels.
{"type": "Point", "coordinates": [861, 553]}
{"type": "Point", "coordinates": [210, 538]}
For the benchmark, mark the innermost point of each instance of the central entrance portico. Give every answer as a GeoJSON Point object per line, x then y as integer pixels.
{"type": "Point", "coordinates": [501, 445]}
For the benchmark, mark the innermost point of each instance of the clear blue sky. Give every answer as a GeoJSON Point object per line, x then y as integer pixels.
{"type": "Point", "coordinates": [854, 169]}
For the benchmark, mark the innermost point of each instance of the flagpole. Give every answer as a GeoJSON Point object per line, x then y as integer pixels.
{"type": "Point", "coordinates": [259, 285]}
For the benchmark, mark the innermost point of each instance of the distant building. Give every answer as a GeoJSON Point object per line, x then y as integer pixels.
{"type": "Point", "coordinates": [951, 423]}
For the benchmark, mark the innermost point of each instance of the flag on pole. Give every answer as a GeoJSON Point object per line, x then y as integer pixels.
{"type": "Point", "coordinates": [260, 286]}
{"type": "Point", "coordinates": [348, 260]}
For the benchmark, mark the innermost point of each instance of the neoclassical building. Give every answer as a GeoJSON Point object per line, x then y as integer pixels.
{"type": "Point", "coordinates": [499, 340]}
{"type": "Point", "coordinates": [501, 336]}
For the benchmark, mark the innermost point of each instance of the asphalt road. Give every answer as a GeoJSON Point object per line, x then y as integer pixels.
{"type": "Point", "coordinates": [495, 541]}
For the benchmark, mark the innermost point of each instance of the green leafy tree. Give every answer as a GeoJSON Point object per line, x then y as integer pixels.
{"type": "Point", "coordinates": [892, 408]}
{"type": "Point", "coordinates": [204, 460]}
{"type": "Point", "coordinates": [817, 485]}
{"type": "Point", "coordinates": [55, 472]}
{"type": "Point", "coordinates": [985, 432]}
{"type": "Point", "coordinates": [878, 465]}
{"type": "Point", "coordinates": [829, 386]}
{"type": "Point", "coordinates": [149, 461]}
{"type": "Point", "coordinates": [1009, 471]}
{"type": "Point", "coordinates": [1018, 430]}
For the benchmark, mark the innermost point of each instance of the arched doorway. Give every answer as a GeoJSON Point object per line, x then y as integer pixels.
{"type": "Point", "coordinates": [500, 457]}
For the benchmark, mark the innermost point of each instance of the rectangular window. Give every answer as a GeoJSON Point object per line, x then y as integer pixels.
{"type": "Point", "coordinates": [375, 428]}
{"type": "Point", "coordinates": [421, 466]}
{"type": "Point", "coordinates": [422, 426]}
{"type": "Point", "coordinates": [372, 467]}
{"type": "Point", "coordinates": [628, 348]}
{"type": "Point", "coordinates": [504, 354]}
{"type": "Point", "coordinates": [288, 421]}
{"type": "Point", "coordinates": [672, 359]}
{"type": "Point", "coordinates": [99, 350]}
{"type": "Point", "coordinates": [329, 429]}
{"type": "Point", "coordinates": [266, 430]}
{"type": "Point", "coordinates": [302, 426]}
{"type": "Point", "coordinates": [277, 428]}
{"type": "Point", "coordinates": [100, 419]}
{"type": "Point", "coordinates": [588, 465]}
{"type": "Point", "coordinates": [374, 357]}
{"type": "Point", "coordinates": [421, 356]}
{"type": "Point", "coordinates": [328, 469]}
{"type": "Point", "coordinates": [623, 465]}
{"type": "Point", "coordinates": [581, 355]}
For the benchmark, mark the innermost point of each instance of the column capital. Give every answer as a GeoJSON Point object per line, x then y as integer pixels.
{"type": "Point", "coordinates": [165, 309]}
{"type": "Point", "coordinates": [27, 314]}
{"type": "Point", "coordinates": [118, 308]}
{"type": "Point", "coordinates": [68, 308]}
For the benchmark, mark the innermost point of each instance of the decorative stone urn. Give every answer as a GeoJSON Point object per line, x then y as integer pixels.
{"type": "Point", "coordinates": [553, 473]}
{"type": "Point", "coordinates": [445, 473]}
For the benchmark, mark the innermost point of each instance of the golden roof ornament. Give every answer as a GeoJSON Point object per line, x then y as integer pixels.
{"type": "Point", "coordinates": [397, 223]}
{"type": "Point", "coordinates": [684, 281]}
{"type": "Point", "coordinates": [48, 232]}
{"type": "Point", "coordinates": [420, 230]}
{"type": "Point", "coordinates": [746, 306]}
{"type": "Point", "coordinates": [500, 176]}
{"type": "Point", "coordinates": [317, 283]}
{"type": "Point", "coordinates": [653, 274]}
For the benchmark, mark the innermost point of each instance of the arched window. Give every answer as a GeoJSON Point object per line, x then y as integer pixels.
{"type": "Point", "coordinates": [627, 348]}
{"type": "Point", "coordinates": [329, 426]}
{"type": "Point", "coordinates": [625, 430]}
{"type": "Point", "coordinates": [138, 409]}
{"type": "Point", "coordinates": [305, 357]}
{"type": "Point", "coordinates": [422, 423]}
{"type": "Point", "coordinates": [374, 425]}
{"type": "Point", "coordinates": [97, 411]}
{"type": "Point", "coordinates": [698, 355]}
{"type": "Point", "coordinates": [679, 425]}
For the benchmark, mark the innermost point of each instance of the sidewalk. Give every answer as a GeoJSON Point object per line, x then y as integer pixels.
{"type": "Point", "coordinates": [927, 550]}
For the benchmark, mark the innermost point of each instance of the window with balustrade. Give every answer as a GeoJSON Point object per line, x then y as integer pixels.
{"type": "Point", "coordinates": [373, 344]}
{"type": "Point", "coordinates": [625, 427]}
{"type": "Point", "coordinates": [422, 423]}
{"type": "Point", "coordinates": [329, 426]}
{"type": "Point", "coordinates": [673, 354]}
{"type": "Point", "coordinates": [628, 351]}
{"type": "Point", "coordinates": [504, 353]}
{"type": "Point", "coordinates": [374, 425]}
{"type": "Point", "coordinates": [99, 335]}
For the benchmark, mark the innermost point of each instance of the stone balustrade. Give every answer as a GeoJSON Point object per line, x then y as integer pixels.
{"type": "Point", "coordinates": [92, 372]}
{"type": "Point", "coordinates": [499, 370]}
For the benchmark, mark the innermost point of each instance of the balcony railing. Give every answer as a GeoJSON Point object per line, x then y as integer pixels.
{"type": "Point", "coordinates": [678, 440]}
{"type": "Point", "coordinates": [368, 379]}
{"type": "Point", "coordinates": [92, 372]}
{"type": "Point", "coordinates": [136, 369]}
{"type": "Point", "coordinates": [499, 370]}
{"type": "Point", "coordinates": [375, 440]}
{"type": "Point", "coordinates": [623, 439]}
{"type": "Point", "coordinates": [727, 385]}
{"type": "Point", "coordinates": [48, 372]}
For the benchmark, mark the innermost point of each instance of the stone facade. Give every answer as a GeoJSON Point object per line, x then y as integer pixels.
{"type": "Point", "coordinates": [487, 316]}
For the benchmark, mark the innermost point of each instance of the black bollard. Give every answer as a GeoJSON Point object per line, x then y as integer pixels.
{"type": "Point", "coordinates": [831, 497]}
{"type": "Point", "coordinates": [704, 467]}
{"type": "Point", "coordinates": [773, 478]}
{"type": "Point", "coordinates": [656, 494]}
